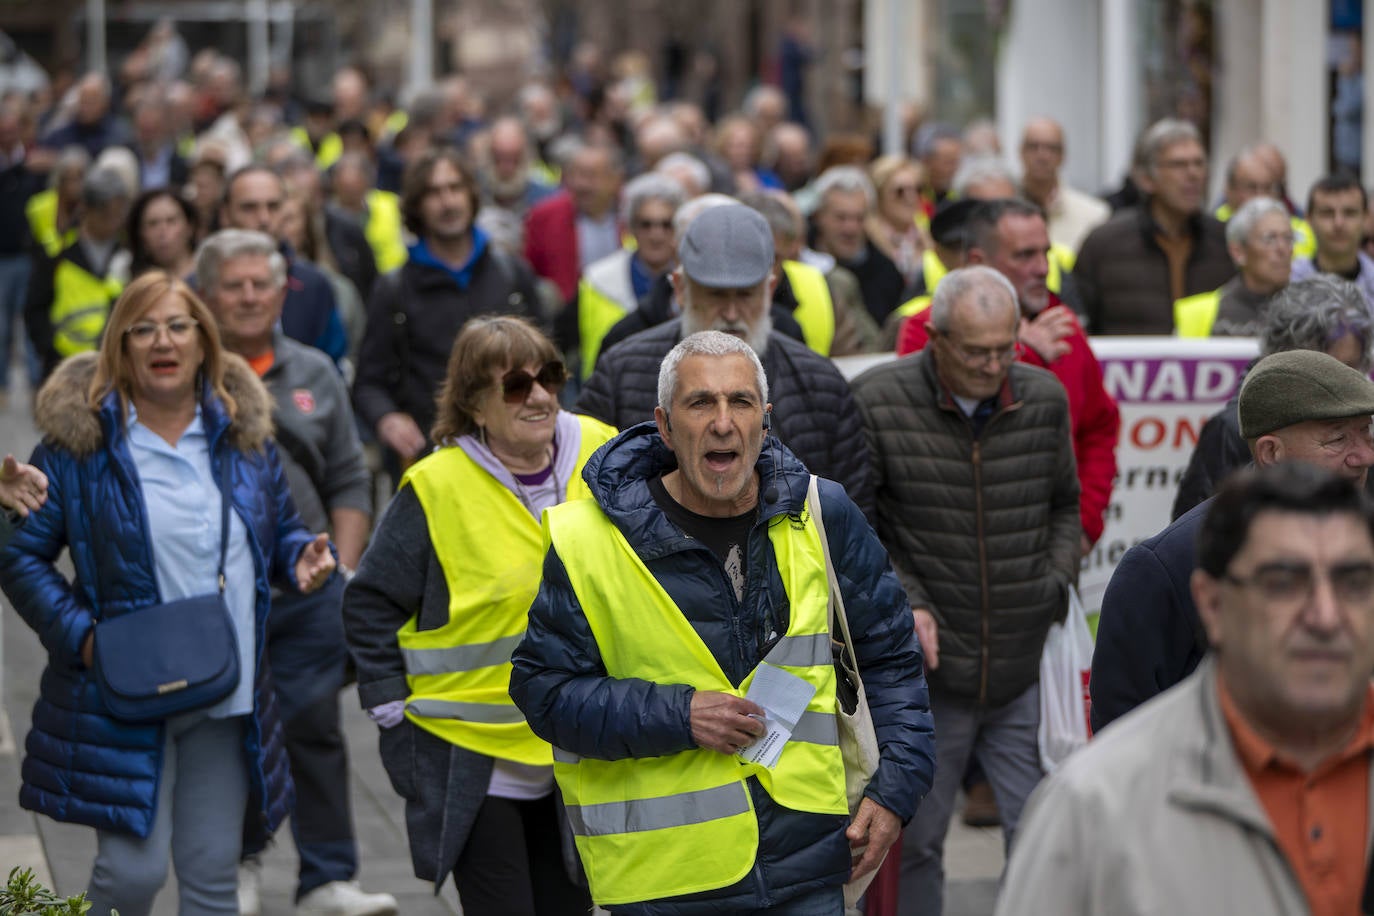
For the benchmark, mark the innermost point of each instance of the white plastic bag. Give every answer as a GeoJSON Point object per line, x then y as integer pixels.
{"type": "Point", "coordinates": [1065, 666]}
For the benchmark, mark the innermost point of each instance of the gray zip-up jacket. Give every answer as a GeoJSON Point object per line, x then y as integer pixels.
{"type": "Point", "coordinates": [316, 434]}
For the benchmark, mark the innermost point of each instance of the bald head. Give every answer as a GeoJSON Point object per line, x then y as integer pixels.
{"type": "Point", "coordinates": [1042, 152]}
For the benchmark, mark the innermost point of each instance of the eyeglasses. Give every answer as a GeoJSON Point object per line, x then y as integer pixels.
{"type": "Point", "coordinates": [179, 330]}
{"type": "Point", "coordinates": [982, 356]}
{"type": "Point", "coordinates": [1042, 146]}
{"type": "Point", "coordinates": [665, 224]}
{"type": "Point", "coordinates": [1289, 584]}
{"type": "Point", "coordinates": [1178, 165]}
{"type": "Point", "coordinates": [517, 384]}
{"type": "Point", "coordinates": [248, 284]}
{"type": "Point", "coordinates": [1273, 240]}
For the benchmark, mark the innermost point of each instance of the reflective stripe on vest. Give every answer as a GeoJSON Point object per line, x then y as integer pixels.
{"type": "Point", "coordinates": [660, 813]}
{"type": "Point", "coordinates": [383, 231]}
{"type": "Point", "coordinates": [459, 674]}
{"type": "Point", "coordinates": [815, 311]}
{"type": "Point", "coordinates": [605, 294]}
{"type": "Point", "coordinates": [639, 819]}
{"type": "Point", "coordinates": [80, 307]}
{"type": "Point", "coordinates": [1195, 315]}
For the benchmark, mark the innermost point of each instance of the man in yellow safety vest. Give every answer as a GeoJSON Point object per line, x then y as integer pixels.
{"type": "Point", "coordinates": [679, 658]}
{"type": "Point", "coordinates": [69, 297]}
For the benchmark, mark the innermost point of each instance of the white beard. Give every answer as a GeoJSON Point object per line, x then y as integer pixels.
{"type": "Point", "coordinates": [756, 336]}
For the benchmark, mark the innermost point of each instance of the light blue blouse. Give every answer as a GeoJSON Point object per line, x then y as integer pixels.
{"type": "Point", "coordinates": [183, 505]}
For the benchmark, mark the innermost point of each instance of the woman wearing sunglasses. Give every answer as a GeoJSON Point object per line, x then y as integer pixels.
{"type": "Point", "coordinates": [891, 225]}
{"type": "Point", "coordinates": [439, 603]}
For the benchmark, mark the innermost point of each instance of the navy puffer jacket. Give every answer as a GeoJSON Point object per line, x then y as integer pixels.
{"type": "Point", "coordinates": [560, 682]}
{"type": "Point", "coordinates": [81, 765]}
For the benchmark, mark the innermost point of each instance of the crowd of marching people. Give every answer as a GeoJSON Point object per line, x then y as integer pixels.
{"type": "Point", "coordinates": [582, 340]}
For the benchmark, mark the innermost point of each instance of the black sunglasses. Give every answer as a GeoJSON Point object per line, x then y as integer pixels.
{"type": "Point", "coordinates": [517, 383]}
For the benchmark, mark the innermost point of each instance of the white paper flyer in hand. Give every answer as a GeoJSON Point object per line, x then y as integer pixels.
{"type": "Point", "coordinates": [783, 697]}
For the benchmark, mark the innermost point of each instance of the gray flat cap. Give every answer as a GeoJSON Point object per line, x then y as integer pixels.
{"type": "Point", "coordinates": [1300, 385]}
{"type": "Point", "coordinates": [727, 247]}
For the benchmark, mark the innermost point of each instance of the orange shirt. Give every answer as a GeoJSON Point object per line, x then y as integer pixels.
{"type": "Point", "coordinates": [261, 364]}
{"type": "Point", "coordinates": [1321, 818]}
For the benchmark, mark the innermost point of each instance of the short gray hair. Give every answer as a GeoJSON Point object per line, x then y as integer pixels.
{"type": "Point", "coordinates": [705, 343]}
{"type": "Point", "coordinates": [1242, 222]}
{"type": "Point", "coordinates": [686, 162]}
{"type": "Point", "coordinates": [102, 186]}
{"type": "Point", "coordinates": [71, 159]}
{"type": "Point", "coordinates": [1162, 134]}
{"type": "Point", "coordinates": [781, 218]}
{"type": "Point", "coordinates": [694, 208]}
{"type": "Point", "coordinates": [969, 281]}
{"type": "Point", "coordinates": [644, 188]}
{"type": "Point", "coordinates": [229, 244]}
{"type": "Point", "coordinates": [1313, 314]}
{"type": "Point", "coordinates": [753, 100]}
{"type": "Point", "coordinates": [847, 178]}
{"type": "Point", "coordinates": [978, 169]}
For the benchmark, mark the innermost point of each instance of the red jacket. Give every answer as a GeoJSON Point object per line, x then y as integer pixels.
{"type": "Point", "coordinates": [1096, 420]}
{"type": "Point", "coordinates": [551, 242]}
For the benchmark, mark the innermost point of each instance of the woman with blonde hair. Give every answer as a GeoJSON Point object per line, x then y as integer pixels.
{"type": "Point", "coordinates": [438, 605]}
{"type": "Point", "coordinates": [892, 225]}
{"type": "Point", "coordinates": [166, 489]}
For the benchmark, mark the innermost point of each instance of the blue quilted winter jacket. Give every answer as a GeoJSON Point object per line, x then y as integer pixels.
{"type": "Point", "coordinates": [81, 765]}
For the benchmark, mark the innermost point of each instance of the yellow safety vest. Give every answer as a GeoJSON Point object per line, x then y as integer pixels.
{"type": "Point", "coordinates": [1194, 315]}
{"type": "Point", "coordinates": [41, 211]}
{"type": "Point", "coordinates": [932, 269]}
{"type": "Point", "coordinates": [815, 310]}
{"type": "Point", "coordinates": [492, 554]}
{"type": "Point", "coordinates": [330, 149]}
{"type": "Point", "coordinates": [80, 307]}
{"type": "Point", "coordinates": [384, 230]}
{"type": "Point", "coordinates": [605, 294]}
{"type": "Point", "coordinates": [913, 306]}
{"type": "Point", "coordinates": [395, 122]}
{"type": "Point", "coordinates": [1061, 262]}
{"type": "Point", "coordinates": [654, 827]}
{"type": "Point", "coordinates": [1304, 241]}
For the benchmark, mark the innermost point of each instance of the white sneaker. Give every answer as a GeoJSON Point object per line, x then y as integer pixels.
{"type": "Point", "coordinates": [250, 885]}
{"type": "Point", "coordinates": [345, 898]}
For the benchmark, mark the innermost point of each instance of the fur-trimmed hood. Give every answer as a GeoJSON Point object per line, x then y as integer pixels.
{"type": "Point", "coordinates": [66, 419]}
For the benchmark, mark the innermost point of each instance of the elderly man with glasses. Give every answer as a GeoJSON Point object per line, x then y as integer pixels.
{"type": "Point", "coordinates": [1260, 239]}
{"type": "Point", "coordinates": [1296, 405]}
{"type": "Point", "coordinates": [977, 504]}
{"type": "Point", "coordinates": [1246, 787]}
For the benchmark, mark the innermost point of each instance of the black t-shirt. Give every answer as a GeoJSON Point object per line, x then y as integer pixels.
{"type": "Point", "coordinates": [728, 538]}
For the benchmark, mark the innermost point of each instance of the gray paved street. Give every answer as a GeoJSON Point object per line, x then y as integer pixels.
{"type": "Point", "coordinates": [62, 853]}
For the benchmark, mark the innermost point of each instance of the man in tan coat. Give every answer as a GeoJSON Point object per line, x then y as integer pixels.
{"type": "Point", "coordinates": [1245, 788]}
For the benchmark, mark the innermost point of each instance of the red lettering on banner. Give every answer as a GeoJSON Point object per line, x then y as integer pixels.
{"type": "Point", "coordinates": [1156, 429]}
